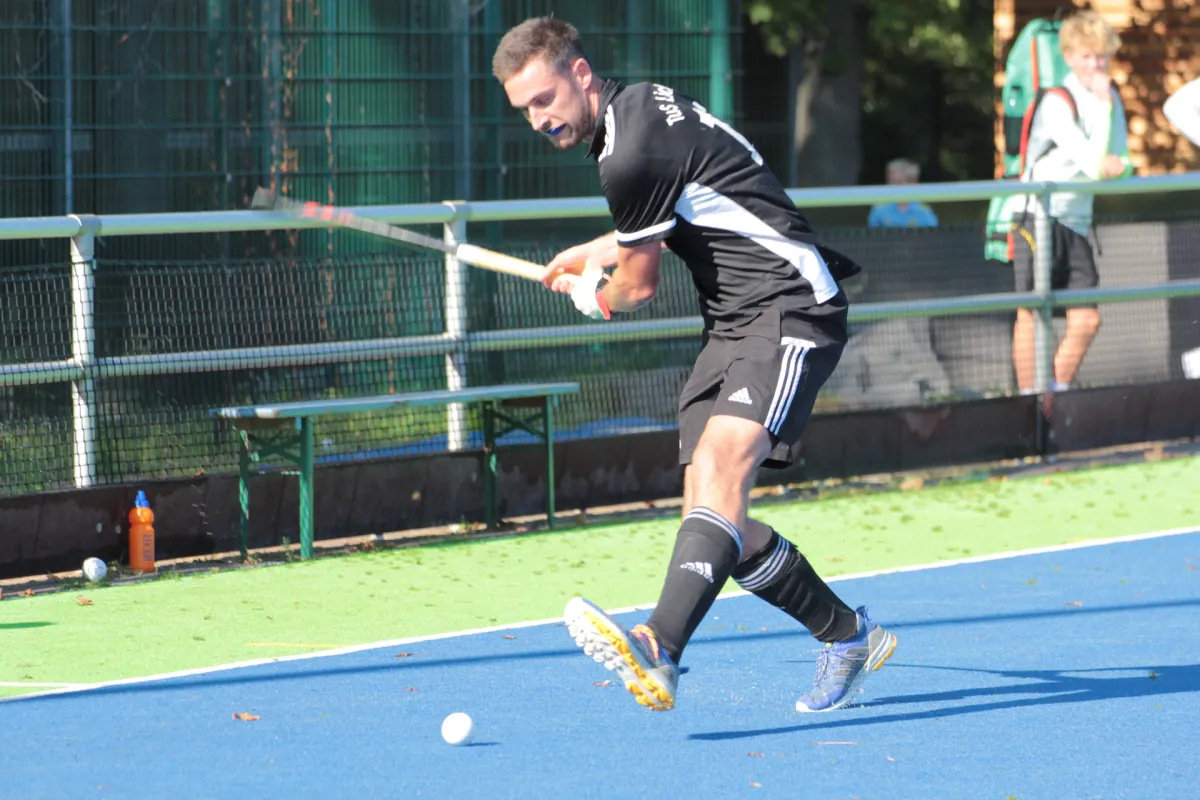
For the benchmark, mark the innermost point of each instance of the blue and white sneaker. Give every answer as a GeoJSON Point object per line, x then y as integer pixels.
{"type": "Point", "coordinates": [645, 668]}
{"type": "Point", "coordinates": [843, 666]}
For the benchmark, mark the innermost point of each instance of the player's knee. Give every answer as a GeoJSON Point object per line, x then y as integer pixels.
{"type": "Point", "coordinates": [1087, 321]}
{"type": "Point", "coordinates": [714, 464]}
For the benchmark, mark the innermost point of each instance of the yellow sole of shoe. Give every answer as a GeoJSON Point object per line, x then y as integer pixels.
{"type": "Point", "coordinates": [648, 692]}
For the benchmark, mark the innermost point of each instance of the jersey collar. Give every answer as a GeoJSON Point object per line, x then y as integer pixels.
{"type": "Point", "coordinates": [609, 91]}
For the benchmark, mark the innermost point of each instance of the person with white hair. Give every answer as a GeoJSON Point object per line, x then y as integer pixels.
{"type": "Point", "coordinates": [902, 215]}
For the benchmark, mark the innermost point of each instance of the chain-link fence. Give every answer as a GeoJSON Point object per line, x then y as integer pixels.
{"type": "Point", "coordinates": [127, 106]}
{"type": "Point", "coordinates": [278, 328]}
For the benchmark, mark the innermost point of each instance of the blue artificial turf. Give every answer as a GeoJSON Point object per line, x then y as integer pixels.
{"type": "Point", "coordinates": [1073, 674]}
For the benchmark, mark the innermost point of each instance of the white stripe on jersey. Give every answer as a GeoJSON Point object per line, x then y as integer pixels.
{"type": "Point", "coordinates": [610, 133]}
{"type": "Point", "coordinates": [707, 208]}
{"type": "Point", "coordinates": [653, 229]}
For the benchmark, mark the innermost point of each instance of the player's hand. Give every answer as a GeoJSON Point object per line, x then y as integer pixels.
{"type": "Point", "coordinates": [600, 253]}
{"type": "Point", "coordinates": [572, 261]}
{"type": "Point", "coordinates": [1112, 167]}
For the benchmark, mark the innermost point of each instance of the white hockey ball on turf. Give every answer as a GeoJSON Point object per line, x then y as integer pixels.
{"type": "Point", "coordinates": [458, 728]}
{"type": "Point", "coordinates": [94, 569]}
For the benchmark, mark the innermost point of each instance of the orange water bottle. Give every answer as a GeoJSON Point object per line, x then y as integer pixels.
{"type": "Point", "coordinates": [141, 535]}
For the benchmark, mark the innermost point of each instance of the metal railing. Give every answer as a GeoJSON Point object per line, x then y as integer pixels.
{"type": "Point", "coordinates": [83, 367]}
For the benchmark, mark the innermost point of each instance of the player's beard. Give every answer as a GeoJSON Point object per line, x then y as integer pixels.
{"type": "Point", "coordinates": [581, 129]}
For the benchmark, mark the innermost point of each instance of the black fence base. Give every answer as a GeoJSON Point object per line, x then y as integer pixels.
{"type": "Point", "coordinates": [199, 516]}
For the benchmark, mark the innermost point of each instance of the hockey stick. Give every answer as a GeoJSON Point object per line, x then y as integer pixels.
{"type": "Point", "coordinates": [340, 218]}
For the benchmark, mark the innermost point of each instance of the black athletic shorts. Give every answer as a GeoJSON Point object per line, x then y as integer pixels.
{"type": "Point", "coordinates": [769, 372]}
{"type": "Point", "coordinates": [1072, 265]}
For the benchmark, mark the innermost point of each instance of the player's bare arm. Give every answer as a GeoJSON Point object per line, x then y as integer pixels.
{"type": "Point", "coordinates": [635, 280]}
{"type": "Point", "coordinates": [599, 252]}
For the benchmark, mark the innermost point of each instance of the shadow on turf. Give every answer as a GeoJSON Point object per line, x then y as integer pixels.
{"type": "Point", "coordinates": [237, 675]}
{"type": "Point", "coordinates": [12, 626]}
{"type": "Point", "coordinates": [1055, 687]}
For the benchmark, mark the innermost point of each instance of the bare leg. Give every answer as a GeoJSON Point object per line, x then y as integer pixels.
{"type": "Point", "coordinates": [1082, 325]}
{"type": "Point", "coordinates": [1022, 349]}
{"type": "Point", "coordinates": [755, 534]}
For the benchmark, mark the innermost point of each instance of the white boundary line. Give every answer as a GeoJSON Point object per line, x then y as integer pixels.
{"type": "Point", "coordinates": [68, 688]}
{"type": "Point", "coordinates": [23, 684]}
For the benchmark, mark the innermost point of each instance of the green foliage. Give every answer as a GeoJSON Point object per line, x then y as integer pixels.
{"type": "Point", "coordinates": [928, 88]}
{"type": "Point", "coordinates": [927, 79]}
{"type": "Point", "coordinates": [786, 23]}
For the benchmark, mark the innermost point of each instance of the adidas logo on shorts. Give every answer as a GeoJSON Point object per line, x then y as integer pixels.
{"type": "Point", "coordinates": [701, 568]}
{"type": "Point", "coordinates": [741, 396]}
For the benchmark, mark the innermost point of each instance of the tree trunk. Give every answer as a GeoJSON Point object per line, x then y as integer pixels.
{"type": "Point", "coordinates": [827, 127]}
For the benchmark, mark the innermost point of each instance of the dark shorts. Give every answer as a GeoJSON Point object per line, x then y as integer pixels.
{"type": "Point", "coordinates": [1072, 264]}
{"type": "Point", "coordinates": [770, 376]}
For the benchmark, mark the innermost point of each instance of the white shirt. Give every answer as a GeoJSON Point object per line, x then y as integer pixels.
{"type": "Point", "coordinates": [1183, 110]}
{"type": "Point", "coordinates": [1076, 149]}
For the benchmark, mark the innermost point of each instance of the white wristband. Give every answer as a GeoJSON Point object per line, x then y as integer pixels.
{"type": "Point", "coordinates": [586, 293]}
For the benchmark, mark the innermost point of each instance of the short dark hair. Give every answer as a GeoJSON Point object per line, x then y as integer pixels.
{"type": "Point", "coordinates": [553, 39]}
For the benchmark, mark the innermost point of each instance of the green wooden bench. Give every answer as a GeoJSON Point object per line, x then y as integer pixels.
{"type": "Point", "coordinates": [500, 416]}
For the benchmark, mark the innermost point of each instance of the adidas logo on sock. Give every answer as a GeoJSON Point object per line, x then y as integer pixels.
{"type": "Point", "coordinates": [701, 568]}
{"type": "Point", "coordinates": [741, 396]}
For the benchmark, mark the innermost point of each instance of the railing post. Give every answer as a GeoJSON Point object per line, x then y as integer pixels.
{"type": "Point", "coordinates": [83, 350]}
{"type": "Point", "coordinates": [1043, 331]}
{"type": "Point", "coordinates": [455, 232]}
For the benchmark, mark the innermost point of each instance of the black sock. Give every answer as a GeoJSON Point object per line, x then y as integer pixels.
{"type": "Point", "coordinates": [782, 576]}
{"type": "Point", "coordinates": [706, 550]}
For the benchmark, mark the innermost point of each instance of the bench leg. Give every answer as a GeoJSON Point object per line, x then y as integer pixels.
{"type": "Point", "coordinates": [244, 495]}
{"type": "Point", "coordinates": [549, 428]}
{"type": "Point", "coordinates": [490, 500]}
{"type": "Point", "coordinates": [306, 487]}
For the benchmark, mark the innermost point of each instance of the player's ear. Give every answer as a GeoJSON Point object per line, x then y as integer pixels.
{"type": "Point", "coordinates": [581, 71]}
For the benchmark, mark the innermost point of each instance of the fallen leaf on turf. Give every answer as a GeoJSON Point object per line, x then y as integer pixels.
{"type": "Point", "coordinates": [1074, 603]}
{"type": "Point", "coordinates": [506, 636]}
{"type": "Point", "coordinates": [403, 655]}
{"type": "Point", "coordinates": [245, 717]}
{"type": "Point", "coordinates": [835, 559]}
{"type": "Point", "coordinates": [82, 601]}
{"type": "Point", "coordinates": [601, 683]}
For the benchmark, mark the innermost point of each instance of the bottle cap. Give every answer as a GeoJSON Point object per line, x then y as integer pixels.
{"type": "Point", "coordinates": [141, 501]}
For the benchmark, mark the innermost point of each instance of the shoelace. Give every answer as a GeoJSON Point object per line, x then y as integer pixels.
{"type": "Point", "coordinates": [823, 661]}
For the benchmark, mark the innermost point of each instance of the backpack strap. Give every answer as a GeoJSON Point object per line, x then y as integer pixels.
{"type": "Point", "coordinates": [1027, 125]}
{"type": "Point", "coordinates": [1066, 95]}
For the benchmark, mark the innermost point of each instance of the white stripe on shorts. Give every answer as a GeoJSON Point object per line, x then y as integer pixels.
{"type": "Point", "coordinates": [791, 376]}
{"type": "Point", "coordinates": [767, 572]}
{"type": "Point", "coordinates": [708, 515]}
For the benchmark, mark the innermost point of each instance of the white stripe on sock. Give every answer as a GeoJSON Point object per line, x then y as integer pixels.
{"type": "Point", "coordinates": [708, 515]}
{"type": "Point", "coordinates": [767, 572]}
